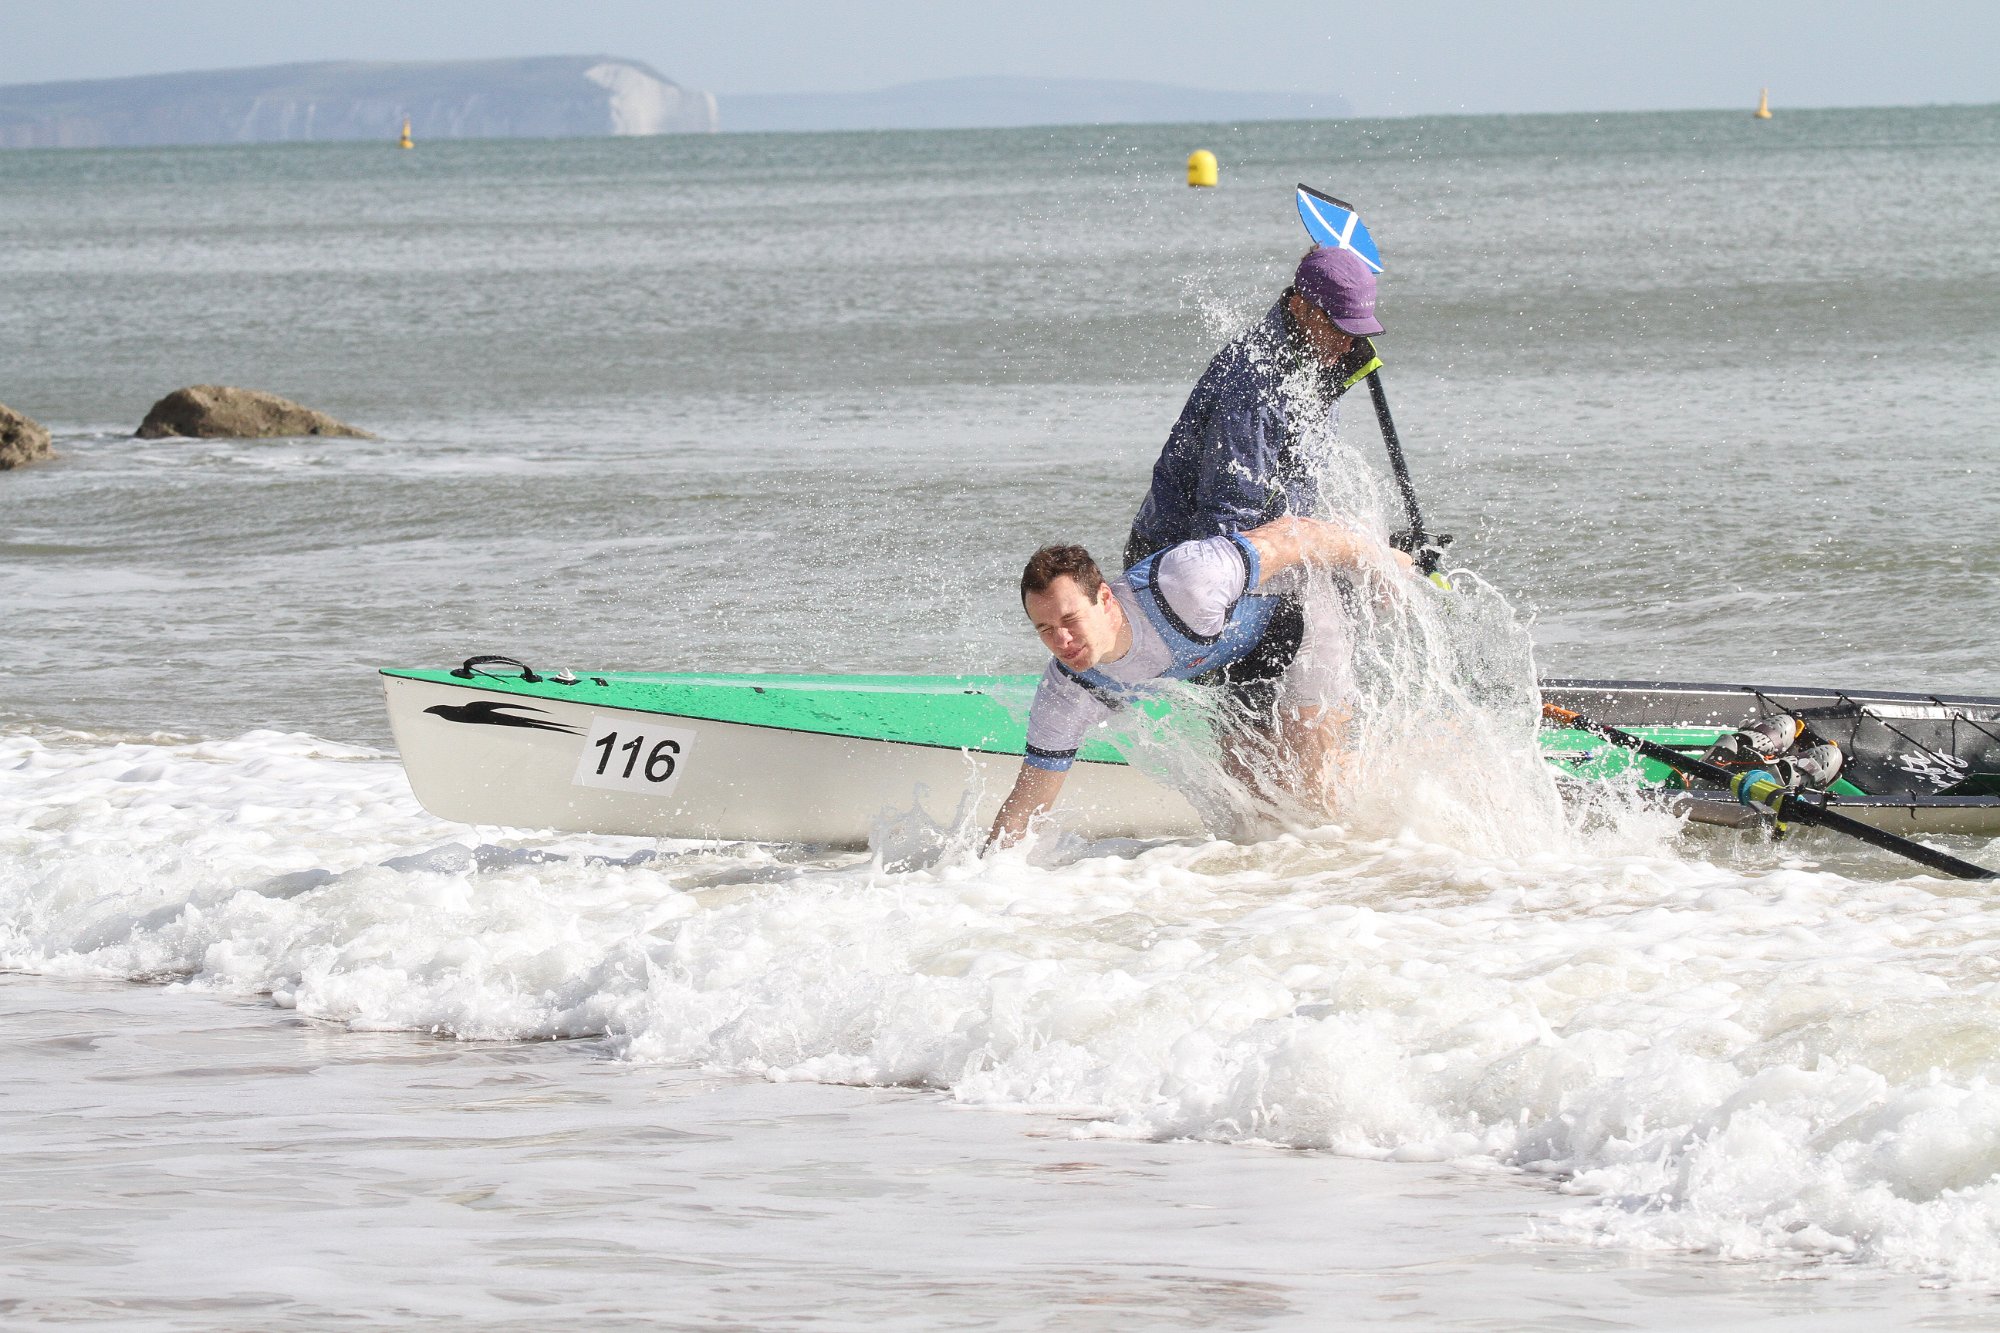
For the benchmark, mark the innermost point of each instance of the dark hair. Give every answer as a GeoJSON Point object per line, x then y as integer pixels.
{"type": "Point", "coordinates": [1056, 562]}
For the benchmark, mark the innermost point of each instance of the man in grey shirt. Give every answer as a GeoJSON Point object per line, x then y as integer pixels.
{"type": "Point", "coordinates": [1191, 609]}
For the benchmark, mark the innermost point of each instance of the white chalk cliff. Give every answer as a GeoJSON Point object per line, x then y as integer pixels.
{"type": "Point", "coordinates": [644, 103]}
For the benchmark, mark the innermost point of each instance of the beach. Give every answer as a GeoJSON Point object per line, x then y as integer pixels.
{"type": "Point", "coordinates": [225, 1165]}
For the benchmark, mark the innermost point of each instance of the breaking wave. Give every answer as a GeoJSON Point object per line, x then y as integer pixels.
{"type": "Point", "coordinates": [1739, 1056]}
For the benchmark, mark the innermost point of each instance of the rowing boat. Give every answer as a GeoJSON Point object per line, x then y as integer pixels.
{"type": "Point", "coordinates": [778, 758]}
{"type": "Point", "coordinates": [1915, 763]}
{"type": "Point", "coordinates": [827, 758]}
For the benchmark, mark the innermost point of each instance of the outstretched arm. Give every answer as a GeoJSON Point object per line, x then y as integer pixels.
{"type": "Point", "coordinates": [1291, 541]}
{"type": "Point", "coordinates": [1035, 790]}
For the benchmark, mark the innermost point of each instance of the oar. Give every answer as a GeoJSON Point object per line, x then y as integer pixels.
{"type": "Point", "coordinates": [1759, 790]}
{"type": "Point", "coordinates": [1334, 222]}
{"type": "Point", "coordinates": [1422, 546]}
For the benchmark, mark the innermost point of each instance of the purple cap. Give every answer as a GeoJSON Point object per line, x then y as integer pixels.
{"type": "Point", "coordinates": [1342, 285]}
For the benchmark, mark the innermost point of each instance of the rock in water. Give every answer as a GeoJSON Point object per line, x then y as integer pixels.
{"type": "Point", "coordinates": [21, 440]}
{"type": "Point", "coordinates": [216, 411]}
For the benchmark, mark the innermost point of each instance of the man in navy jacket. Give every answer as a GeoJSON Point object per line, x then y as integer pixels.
{"type": "Point", "coordinates": [1240, 455]}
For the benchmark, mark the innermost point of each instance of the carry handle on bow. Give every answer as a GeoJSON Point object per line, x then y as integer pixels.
{"type": "Point", "coordinates": [472, 666]}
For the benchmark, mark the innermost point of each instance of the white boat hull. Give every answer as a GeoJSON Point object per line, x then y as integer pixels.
{"type": "Point", "coordinates": [729, 780]}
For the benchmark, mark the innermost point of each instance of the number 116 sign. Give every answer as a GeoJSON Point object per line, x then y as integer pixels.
{"type": "Point", "coordinates": [626, 754]}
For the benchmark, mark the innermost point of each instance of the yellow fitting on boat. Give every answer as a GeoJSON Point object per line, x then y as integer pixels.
{"type": "Point", "coordinates": [1759, 790]}
{"type": "Point", "coordinates": [1201, 167]}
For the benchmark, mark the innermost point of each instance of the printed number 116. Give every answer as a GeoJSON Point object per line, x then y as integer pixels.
{"type": "Point", "coordinates": [659, 763]}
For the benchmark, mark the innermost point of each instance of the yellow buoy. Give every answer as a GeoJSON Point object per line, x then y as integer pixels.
{"type": "Point", "coordinates": [1201, 167]}
{"type": "Point", "coordinates": [1763, 111]}
{"type": "Point", "coordinates": [404, 142]}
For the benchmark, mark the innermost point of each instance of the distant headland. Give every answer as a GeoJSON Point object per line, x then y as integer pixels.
{"type": "Point", "coordinates": [559, 97]}
{"type": "Point", "coordinates": [980, 103]}
{"type": "Point", "coordinates": [545, 97]}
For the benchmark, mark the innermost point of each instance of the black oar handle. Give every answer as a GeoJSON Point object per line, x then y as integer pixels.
{"type": "Point", "coordinates": [1769, 797]}
{"type": "Point", "coordinates": [1421, 545]}
{"type": "Point", "coordinates": [1397, 464]}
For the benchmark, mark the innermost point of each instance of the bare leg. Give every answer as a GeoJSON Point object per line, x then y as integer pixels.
{"type": "Point", "coordinates": [1254, 761]}
{"type": "Point", "coordinates": [1313, 739]}
{"type": "Point", "coordinates": [1290, 763]}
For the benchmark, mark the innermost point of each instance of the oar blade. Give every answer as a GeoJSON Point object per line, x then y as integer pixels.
{"type": "Point", "coordinates": [1330, 221]}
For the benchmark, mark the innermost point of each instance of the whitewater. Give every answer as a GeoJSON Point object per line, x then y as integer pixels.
{"type": "Point", "coordinates": [1762, 1060]}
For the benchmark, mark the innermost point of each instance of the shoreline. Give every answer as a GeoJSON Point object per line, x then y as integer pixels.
{"type": "Point", "coordinates": [414, 1179]}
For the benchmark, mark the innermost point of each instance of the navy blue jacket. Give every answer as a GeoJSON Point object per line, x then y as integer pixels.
{"type": "Point", "coordinates": [1237, 457]}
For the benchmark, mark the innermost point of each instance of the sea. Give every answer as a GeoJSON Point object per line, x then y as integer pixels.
{"type": "Point", "coordinates": [1698, 397]}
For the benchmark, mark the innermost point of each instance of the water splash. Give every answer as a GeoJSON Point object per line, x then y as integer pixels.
{"type": "Point", "coordinates": [1410, 708]}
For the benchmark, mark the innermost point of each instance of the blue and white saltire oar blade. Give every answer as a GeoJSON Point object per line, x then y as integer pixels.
{"type": "Point", "coordinates": [1331, 222]}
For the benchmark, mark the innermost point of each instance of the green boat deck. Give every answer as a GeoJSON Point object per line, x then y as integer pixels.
{"type": "Point", "coordinates": [981, 713]}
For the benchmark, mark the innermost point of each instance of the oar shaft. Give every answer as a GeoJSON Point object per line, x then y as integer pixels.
{"type": "Point", "coordinates": [1804, 810]}
{"type": "Point", "coordinates": [1420, 539]}
{"type": "Point", "coordinates": [1714, 774]}
{"type": "Point", "coordinates": [1810, 812]}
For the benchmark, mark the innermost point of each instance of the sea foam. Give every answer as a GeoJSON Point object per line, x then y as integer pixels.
{"type": "Point", "coordinates": [1739, 1055]}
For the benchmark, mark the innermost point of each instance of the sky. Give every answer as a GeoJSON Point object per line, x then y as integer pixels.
{"type": "Point", "coordinates": [1392, 57]}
